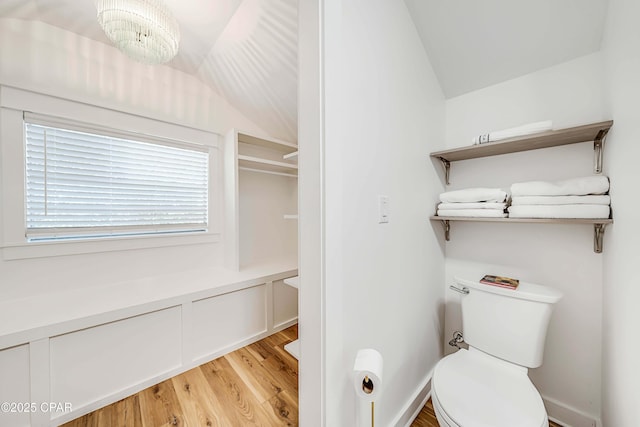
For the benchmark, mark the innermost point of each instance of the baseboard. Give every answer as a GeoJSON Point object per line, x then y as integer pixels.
{"type": "Point", "coordinates": [568, 416]}
{"type": "Point", "coordinates": [284, 325]}
{"type": "Point", "coordinates": [412, 408]}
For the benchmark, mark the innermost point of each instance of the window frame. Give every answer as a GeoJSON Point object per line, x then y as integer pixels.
{"type": "Point", "coordinates": [16, 105]}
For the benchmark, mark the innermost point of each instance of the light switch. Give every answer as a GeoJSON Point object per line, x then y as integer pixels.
{"type": "Point", "coordinates": [383, 209]}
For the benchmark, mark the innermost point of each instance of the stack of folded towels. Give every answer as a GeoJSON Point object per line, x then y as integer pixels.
{"type": "Point", "coordinates": [573, 198]}
{"type": "Point", "coordinates": [473, 202]}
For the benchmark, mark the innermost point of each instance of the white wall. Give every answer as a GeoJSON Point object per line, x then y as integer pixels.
{"type": "Point", "coordinates": [46, 59]}
{"type": "Point", "coordinates": [384, 112]}
{"type": "Point", "coordinates": [264, 233]}
{"type": "Point", "coordinates": [560, 256]}
{"type": "Point", "coordinates": [621, 374]}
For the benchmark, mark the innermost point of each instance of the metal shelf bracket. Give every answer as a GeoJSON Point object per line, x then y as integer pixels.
{"type": "Point", "coordinates": [598, 235]}
{"type": "Point", "coordinates": [446, 164]}
{"type": "Point", "coordinates": [598, 148]}
{"type": "Point", "coordinates": [447, 228]}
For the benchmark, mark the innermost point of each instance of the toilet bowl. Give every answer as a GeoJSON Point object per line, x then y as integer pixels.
{"type": "Point", "coordinates": [488, 384]}
{"type": "Point", "coordinates": [472, 389]}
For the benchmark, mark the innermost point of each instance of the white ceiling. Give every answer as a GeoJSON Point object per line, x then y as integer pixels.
{"type": "Point", "coordinates": [246, 50]}
{"type": "Point", "coordinates": [477, 43]}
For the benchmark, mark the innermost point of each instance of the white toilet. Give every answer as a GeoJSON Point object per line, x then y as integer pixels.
{"type": "Point", "coordinates": [488, 385]}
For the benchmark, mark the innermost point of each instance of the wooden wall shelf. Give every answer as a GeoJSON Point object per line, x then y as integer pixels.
{"type": "Point", "coordinates": [598, 224]}
{"type": "Point", "coordinates": [592, 132]}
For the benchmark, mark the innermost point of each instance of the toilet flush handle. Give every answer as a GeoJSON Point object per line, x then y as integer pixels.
{"type": "Point", "coordinates": [463, 291]}
{"type": "Point", "coordinates": [457, 339]}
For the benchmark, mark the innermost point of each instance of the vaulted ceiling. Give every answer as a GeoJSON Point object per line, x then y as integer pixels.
{"type": "Point", "coordinates": [477, 43]}
{"type": "Point", "coordinates": [246, 50]}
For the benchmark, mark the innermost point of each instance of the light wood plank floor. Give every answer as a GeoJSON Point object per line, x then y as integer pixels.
{"type": "Point", "coordinates": [256, 385]}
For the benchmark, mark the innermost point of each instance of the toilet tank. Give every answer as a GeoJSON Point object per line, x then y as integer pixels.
{"type": "Point", "coordinates": [506, 323]}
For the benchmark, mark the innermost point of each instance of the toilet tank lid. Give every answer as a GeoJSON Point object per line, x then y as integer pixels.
{"type": "Point", "coordinates": [527, 291]}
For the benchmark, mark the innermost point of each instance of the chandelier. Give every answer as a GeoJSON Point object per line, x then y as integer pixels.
{"type": "Point", "coordinates": [144, 30]}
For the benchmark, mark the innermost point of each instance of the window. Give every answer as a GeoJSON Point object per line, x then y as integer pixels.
{"type": "Point", "coordinates": [81, 184]}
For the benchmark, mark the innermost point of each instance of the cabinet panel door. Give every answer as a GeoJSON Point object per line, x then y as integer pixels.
{"type": "Point", "coordinates": [14, 385]}
{"type": "Point", "coordinates": [220, 322]}
{"type": "Point", "coordinates": [93, 363]}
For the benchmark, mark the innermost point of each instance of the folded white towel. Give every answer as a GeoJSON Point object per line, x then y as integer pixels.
{"type": "Point", "coordinates": [469, 195]}
{"type": "Point", "coordinates": [596, 184]}
{"type": "Point", "coordinates": [561, 200]}
{"type": "Point", "coordinates": [476, 205]}
{"type": "Point", "coordinates": [559, 211]}
{"type": "Point", "coordinates": [527, 129]}
{"type": "Point", "coordinates": [478, 213]}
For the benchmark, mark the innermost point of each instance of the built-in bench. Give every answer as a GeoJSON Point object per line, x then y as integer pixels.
{"type": "Point", "coordinates": [89, 347]}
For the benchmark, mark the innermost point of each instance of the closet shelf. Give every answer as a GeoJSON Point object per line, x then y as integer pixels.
{"type": "Point", "coordinates": [294, 282]}
{"type": "Point", "coordinates": [598, 224]}
{"type": "Point", "coordinates": [258, 164]}
{"type": "Point", "coordinates": [591, 132]}
{"type": "Point", "coordinates": [290, 216]}
{"type": "Point", "coordinates": [293, 348]}
{"type": "Point", "coordinates": [264, 142]}
{"type": "Point", "coordinates": [293, 155]}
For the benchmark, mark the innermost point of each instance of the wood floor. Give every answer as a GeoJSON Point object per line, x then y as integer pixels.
{"type": "Point", "coordinates": [426, 417]}
{"type": "Point", "coordinates": [256, 385]}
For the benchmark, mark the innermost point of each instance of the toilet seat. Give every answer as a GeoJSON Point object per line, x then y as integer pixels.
{"type": "Point", "coordinates": [441, 414]}
{"type": "Point", "coordinates": [473, 389]}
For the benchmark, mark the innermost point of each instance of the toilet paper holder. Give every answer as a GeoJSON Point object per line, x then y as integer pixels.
{"type": "Point", "coordinates": [368, 370]}
{"type": "Point", "coordinates": [367, 385]}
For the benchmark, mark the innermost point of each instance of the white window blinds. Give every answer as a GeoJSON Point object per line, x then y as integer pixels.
{"type": "Point", "coordinates": [80, 184]}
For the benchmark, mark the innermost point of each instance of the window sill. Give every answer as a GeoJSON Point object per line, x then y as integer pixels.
{"type": "Point", "coordinates": [29, 250]}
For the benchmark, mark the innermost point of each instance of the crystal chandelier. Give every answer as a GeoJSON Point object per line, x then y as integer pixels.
{"type": "Point", "coordinates": [144, 30]}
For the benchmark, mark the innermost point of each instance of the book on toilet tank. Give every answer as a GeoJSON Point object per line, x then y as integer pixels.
{"type": "Point", "coordinates": [502, 281]}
